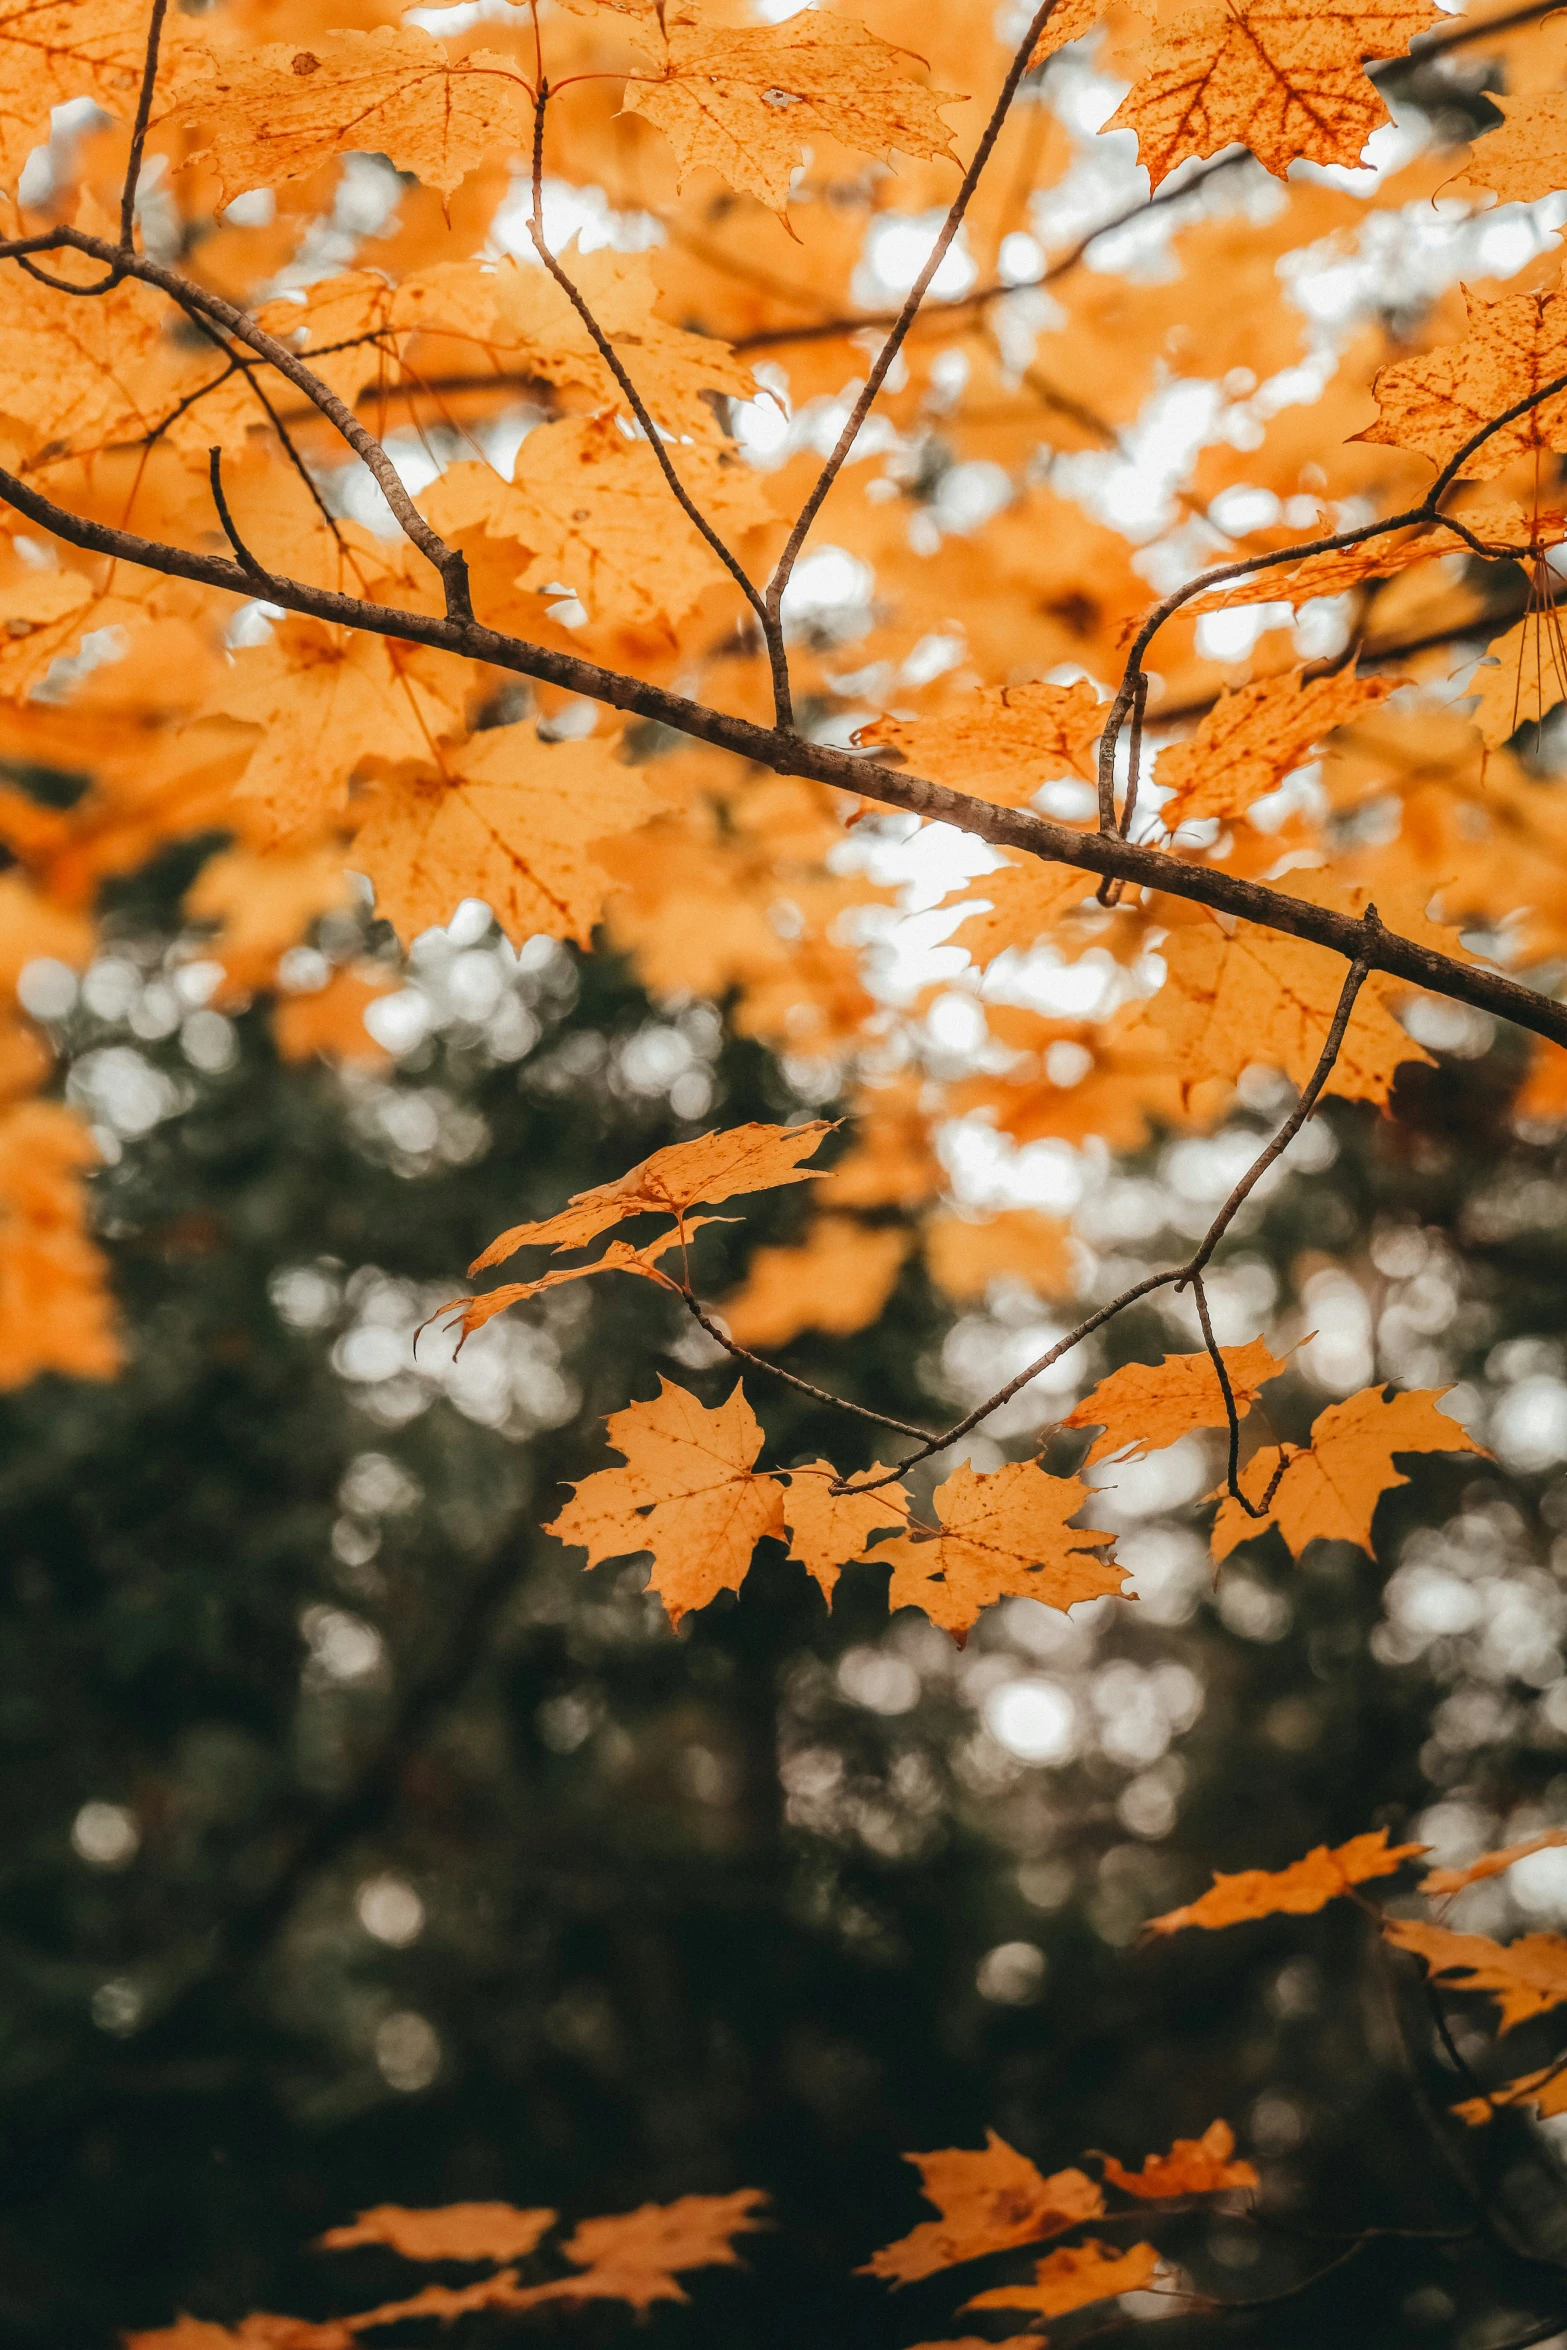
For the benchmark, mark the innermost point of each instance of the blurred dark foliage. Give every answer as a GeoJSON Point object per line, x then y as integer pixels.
{"type": "Point", "coordinates": [418, 1866]}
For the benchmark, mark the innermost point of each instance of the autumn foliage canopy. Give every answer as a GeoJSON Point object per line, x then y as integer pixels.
{"type": "Point", "coordinates": [450, 455]}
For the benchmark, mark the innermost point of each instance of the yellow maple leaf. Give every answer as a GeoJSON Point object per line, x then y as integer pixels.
{"type": "Point", "coordinates": [1004, 1533]}
{"type": "Point", "coordinates": [688, 1494]}
{"type": "Point", "coordinates": [990, 2200]}
{"type": "Point", "coordinates": [744, 103]}
{"type": "Point", "coordinates": [1145, 1405]}
{"type": "Point", "coordinates": [1193, 2166]}
{"type": "Point", "coordinates": [509, 819]}
{"type": "Point", "coordinates": [1285, 78]}
{"type": "Point", "coordinates": [281, 110]}
{"type": "Point", "coordinates": [1522, 678]}
{"type": "Point", "coordinates": [1002, 743]}
{"type": "Point", "coordinates": [838, 1278]}
{"type": "Point", "coordinates": [1305, 1886]}
{"type": "Point", "coordinates": [1526, 1978]}
{"type": "Point", "coordinates": [473, 1313]}
{"type": "Point", "coordinates": [713, 1167]}
{"type": "Point", "coordinates": [1075, 2276]}
{"type": "Point", "coordinates": [829, 1531]}
{"type": "Point", "coordinates": [457, 2231]}
{"type": "Point", "coordinates": [1437, 402]}
{"type": "Point", "coordinates": [1329, 1491]}
{"type": "Point", "coordinates": [1252, 738]}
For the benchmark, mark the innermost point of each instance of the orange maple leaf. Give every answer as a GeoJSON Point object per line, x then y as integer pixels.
{"type": "Point", "coordinates": [1018, 1244]}
{"type": "Point", "coordinates": [1002, 1533]}
{"type": "Point", "coordinates": [1075, 2276]}
{"type": "Point", "coordinates": [989, 2201]}
{"type": "Point", "coordinates": [837, 1279]}
{"type": "Point", "coordinates": [1252, 738]}
{"type": "Point", "coordinates": [637, 2256]}
{"type": "Point", "coordinates": [688, 1494]}
{"type": "Point", "coordinates": [1000, 744]}
{"type": "Point", "coordinates": [1145, 1405]}
{"type": "Point", "coordinates": [1306, 1885]}
{"type": "Point", "coordinates": [1285, 78]}
{"type": "Point", "coordinates": [828, 1531]}
{"type": "Point", "coordinates": [1526, 1978]}
{"type": "Point", "coordinates": [1330, 1489]}
{"type": "Point", "coordinates": [1438, 1883]}
{"type": "Point", "coordinates": [744, 103]}
{"type": "Point", "coordinates": [456, 2231]}
{"type": "Point", "coordinates": [714, 1167]}
{"type": "Point", "coordinates": [1193, 2166]}
{"type": "Point", "coordinates": [280, 110]}
{"type": "Point", "coordinates": [1439, 401]}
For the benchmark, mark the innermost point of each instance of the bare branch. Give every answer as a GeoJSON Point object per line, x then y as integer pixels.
{"type": "Point", "coordinates": [791, 754]}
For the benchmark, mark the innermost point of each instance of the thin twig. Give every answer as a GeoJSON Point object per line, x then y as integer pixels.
{"type": "Point", "coordinates": [139, 127]}
{"type": "Point", "coordinates": [215, 472]}
{"type": "Point", "coordinates": [772, 634]}
{"type": "Point", "coordinates": [830, 471]}
{"type": "Point", "coordinates": [840, 1403]}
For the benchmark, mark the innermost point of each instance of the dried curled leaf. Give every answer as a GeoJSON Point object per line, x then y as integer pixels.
{"type": "Point", "coordinates": [687, 1493]}
{"type": "Point", "coordinates": [745, 103]}
{"type": "Point", "coordinates": [1003, 1534]}
{"type": "Point", "coordinates": [457, 2231]}
{"type": "Point", "coordinates": [714, 1167]}
{"type": "Point", "coordinates": [989, 2201]}
{"type": "Point", "coordinates": [1285, 78]}
{"type": "Point", "coordinates": [1330, 1489]}
{"type": "Point", "coordinates": [1075, 2276]}
{"type": "Point", "coordinates": [1193, 2166]}
{"type": "Point", "coordinates": [1145, 1405]}
{"type": "Point", "coordinates": [1306, 1885]}
{"type": "Point", "coordinates": [1526, 1978]}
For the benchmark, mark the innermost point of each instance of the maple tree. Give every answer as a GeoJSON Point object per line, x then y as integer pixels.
{"type": "Point", "coordinates": [443, 555]}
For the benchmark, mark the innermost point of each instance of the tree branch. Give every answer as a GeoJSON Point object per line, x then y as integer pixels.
{"type": "Point", "coordinates": [789, 754]}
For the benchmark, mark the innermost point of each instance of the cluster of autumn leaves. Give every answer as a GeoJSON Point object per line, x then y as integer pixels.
{"type": "Point", "coordinates": [989, 2201]}
{"type": "Point", "coordinates": [691, 1496]}
{"type": "Point", "coordinates": [763, 153]}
